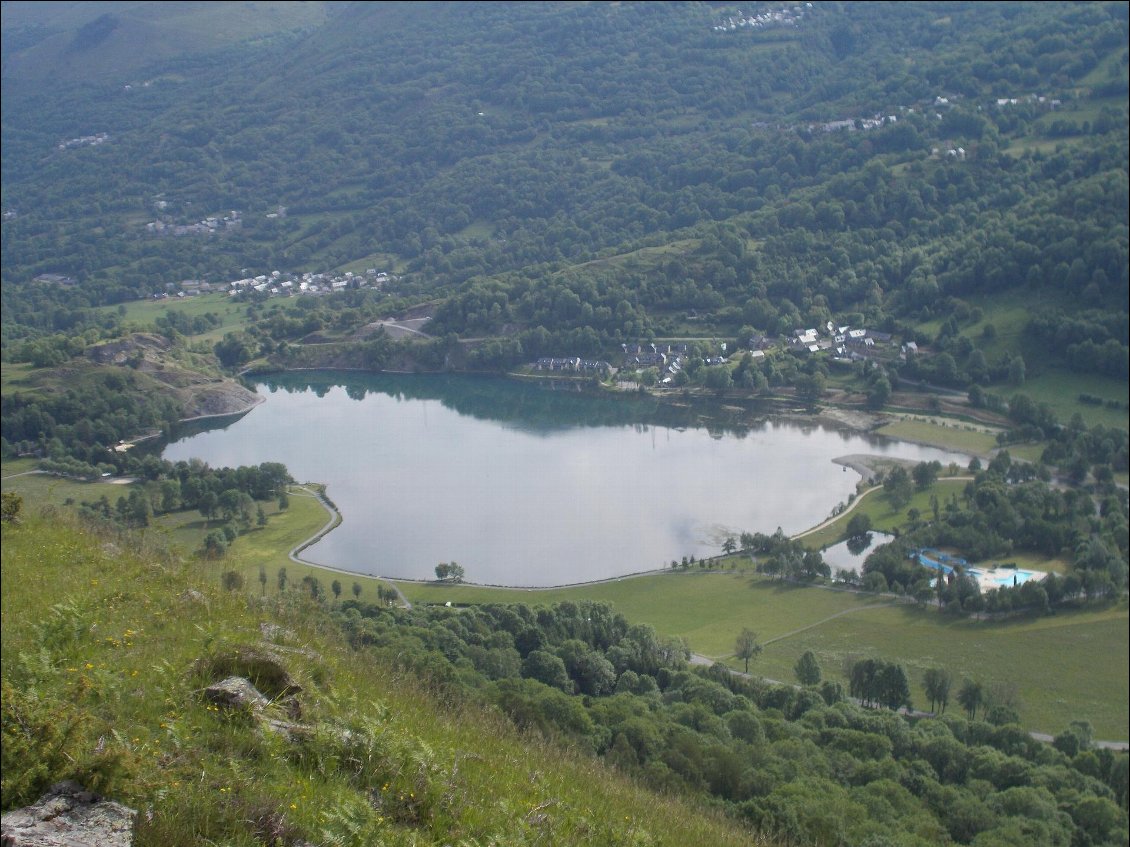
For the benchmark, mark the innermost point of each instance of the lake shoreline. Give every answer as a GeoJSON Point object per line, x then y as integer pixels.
{"type": "Point", "coordinates": [703, 411]}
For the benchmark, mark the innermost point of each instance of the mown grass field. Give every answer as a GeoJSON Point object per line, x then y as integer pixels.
{"type": "Point", "coordinates": [964, 438]}
{"type": "Point", "coordinates": [1071, 665]}
{"type": "Point", "coordinates": [1065, 666]}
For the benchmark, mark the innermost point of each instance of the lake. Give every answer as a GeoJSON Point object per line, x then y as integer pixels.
{"type": "Point", "coordinates": [526, 486]}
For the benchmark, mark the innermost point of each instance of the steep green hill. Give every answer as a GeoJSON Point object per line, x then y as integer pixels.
{"type": "Point", "coordinates": [109, 645]}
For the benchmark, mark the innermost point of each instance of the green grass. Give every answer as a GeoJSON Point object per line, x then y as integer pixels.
{"type": "Point", "coordinates": [974, 439]}
{"type": "Point", "coordinates": [1051, 660]}
{"type": "Point", "coordinates": [117, 649]}
{"type": "Point", "coordinates": [477, 230]}
{"type": "Point", "coordinates": [37, 488]}
{"type": "Point", "coordinates": [1027, 452]}
{"type": "Point", "coordinates": [1060, 389]}
{"type": "Point", "coordinates": [13, 377]}
{"type": "Point", "coordinates": [144, 312]}
{"type": "Point", "coordinates": [884, 518]}
{"type": "Point", "coordinates": [260, 547]}
{"type": "Point", "coordinates": [1072, 665]}
{"type": "Point", "coordinates": [1009, 314]}
{"type": "Point", "coordinates": [1047, 382]}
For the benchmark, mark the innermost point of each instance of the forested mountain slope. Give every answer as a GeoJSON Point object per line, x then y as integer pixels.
{"type": "Point", "coordinates": [833, 160]}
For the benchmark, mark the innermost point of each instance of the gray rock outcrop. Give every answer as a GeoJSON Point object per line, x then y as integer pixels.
{"type": "Point", "coordinates": [68, 816]}
{"type": "Point", "coordinates": [236, 693]}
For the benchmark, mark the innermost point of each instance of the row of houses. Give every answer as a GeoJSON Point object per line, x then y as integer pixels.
{"type": "Point", "coordinates": [208, 226]}
{"type": "Point", "coordinates": [572, 364]}
{"type": "Point", "coordinates": [760, 20]}
{"type": "Point", "coordinates": [84, 141]}
{"type": "Point", "coordinates": [278, 284]}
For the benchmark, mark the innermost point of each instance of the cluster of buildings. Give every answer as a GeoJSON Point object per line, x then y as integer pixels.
{"type": "Point", "coordinates": [278, 284]}
{"type": "Point", "coordinates": [844, 342]}
{"type": "Point", "coordinates": [851, 124]}
{"type": "Point", "coordinates": [84, 141]}
{"type": "Point", "coordinates": [573, 365]}
{"type": "Point", "coordinates": [208, 226]}
{"type": "Point", "coordinates": [761, 20]}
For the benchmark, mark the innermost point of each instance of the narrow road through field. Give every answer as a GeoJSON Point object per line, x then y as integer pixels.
{"type": "Point", "coordinates": [832, 617]}
{"type": "Point", "coordinates": [335, 519]}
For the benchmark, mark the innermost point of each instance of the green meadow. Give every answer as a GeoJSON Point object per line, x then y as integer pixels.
{"type": "Point", "coordinates": [1047, 381]}
{"type": "Point", "coordinates": [1049, 662]}
{"type": "Point", "coordinates": [974, 439]}
{"type": "Point", "coordinates": [264, 547]}
{"type": "Point", "coordinates": [142, 314]}
{"type": "Point", "coordinates": [1062, 667]}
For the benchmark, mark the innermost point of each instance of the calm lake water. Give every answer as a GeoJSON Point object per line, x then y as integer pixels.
{"type": "Point", "coordinates": [849, 556]}
{"type": "Point", "coordinates": [527, 486]}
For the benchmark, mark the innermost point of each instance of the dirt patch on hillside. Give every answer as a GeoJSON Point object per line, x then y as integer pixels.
{"type": "Point", "coordinates": [226, 397]}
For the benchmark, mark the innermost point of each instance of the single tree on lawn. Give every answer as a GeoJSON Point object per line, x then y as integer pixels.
{"type": "Point", "coordinates": [807, 669]}
{"type": "Point", "coordinates": [971, 696]}
{"type": "Point", "coordinates": [747, 646]}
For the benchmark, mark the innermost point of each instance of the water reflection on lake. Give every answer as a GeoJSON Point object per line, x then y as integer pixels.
{"type": "Point", "coordinates": [850, 554]}
{"type": "Point", "coordinates": [528, 487]}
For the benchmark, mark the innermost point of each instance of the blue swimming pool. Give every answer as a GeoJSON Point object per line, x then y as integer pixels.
{"type": "Point", "coordinates": [1000, 577]}
{"type": "Point", "coordinates": [987, 577]}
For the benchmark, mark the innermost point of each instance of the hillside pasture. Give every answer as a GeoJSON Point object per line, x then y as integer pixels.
{"type": "Point", "coordinates": [1049, 661]}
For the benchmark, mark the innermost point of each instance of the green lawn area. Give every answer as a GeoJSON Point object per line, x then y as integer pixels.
{"type": "Point", "coordinates": [1051, 660]}
{"type": "Point", "coordinates": [185, 530]}
{"type": "Point", "coordinates": [44, 489]}
{"type": "Point", "coordinates": [1071, 665]}
{"type": "Point", "coordinates": [1047, 381]}
{"type": "Point", "coordinates": [1027, 452]}
{"type": "Point", "coordinates": [233, 315]}
{"type": "Point", "coordinates": [12, 377]}
{"type": "Point", "coordinates": [1060, 389]}
{"type": "Point", "coordinates": [268, 548]}
{"type": "Point", "coordinates": [883, 517]}
{"type": "Point", "coordinates": [958, 436]}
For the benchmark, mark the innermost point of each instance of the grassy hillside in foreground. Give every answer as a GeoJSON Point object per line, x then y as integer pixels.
{"type": "Point", "coordinates": [106, 650]}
